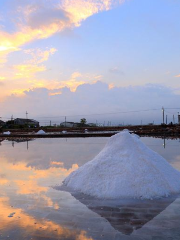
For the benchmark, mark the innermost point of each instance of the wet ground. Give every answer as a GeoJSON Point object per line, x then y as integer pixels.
{"type": "Point", "coordinates": [31, 207]}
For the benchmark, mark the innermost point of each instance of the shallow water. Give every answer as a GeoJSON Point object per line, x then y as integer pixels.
{"type": "Point", "coordinates": [30, 208]}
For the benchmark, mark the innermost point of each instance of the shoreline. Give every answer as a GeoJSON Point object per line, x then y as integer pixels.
{"type": "Point", "coordinates": [85, 135]}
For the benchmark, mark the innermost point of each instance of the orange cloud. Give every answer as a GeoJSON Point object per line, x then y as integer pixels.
{"type": "Point", "coordinates": [23, 79]}
{"type": "Point", "coordinates": [81, 10]}
{"type": "Point", "coordinates": [111, 85]}
{"type": "Point", "coordinates": [177, 76]}
{"type": "Point", "coordinates": [73, 82]}
{"type": "Point", "coordinates": [37, 22]}
{"type": "Point", "coordinates": [75, 12]}
{"type": "Point", "coordinates": [39, 56]}
{"type": "Point", "coordinates": [27, 71]}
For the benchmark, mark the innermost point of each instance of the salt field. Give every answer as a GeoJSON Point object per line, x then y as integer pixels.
{"type": "Point", "coordinates": [33, 206]}
{"type": "Point", "coordinates": [125, 168]}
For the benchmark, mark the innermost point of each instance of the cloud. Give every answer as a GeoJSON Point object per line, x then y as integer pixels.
{"type": "Point", "coordinates": [23, 77]}
{"type": "Point", "coordinates": [177, 76]}
{"type": "Point", "coordinates": [27, 71]}
{"type": "Point", "coordinates": [116, 70]}
{"type": "Point", "coordinates": [34, 20]}
{"type": "Point", "coordinates": [41, 20]}
{"type": "Point", "coordinates": [74, 81]}
{"type": "Point", "coordinates": [38, 55]}
{"type": "Point", "coordinates": [96, 99]}
{"type": "Point", "coordinates": [47, 16]}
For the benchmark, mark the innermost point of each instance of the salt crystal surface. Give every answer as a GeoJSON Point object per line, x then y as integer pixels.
{"type": "Point", "coordinates": [41, 132]}
{"type": "Point", "coordinates": [126, 168]}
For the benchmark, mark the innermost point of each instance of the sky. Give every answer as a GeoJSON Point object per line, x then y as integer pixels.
{"type": "Point", "coordinates": [110, 61]}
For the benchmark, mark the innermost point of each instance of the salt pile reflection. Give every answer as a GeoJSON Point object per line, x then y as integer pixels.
{"type": "Point", "coordinates": [125, 215]}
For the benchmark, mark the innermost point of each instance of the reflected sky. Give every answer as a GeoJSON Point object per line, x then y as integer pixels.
{"type": "Point", "coordinates": [32, 208]}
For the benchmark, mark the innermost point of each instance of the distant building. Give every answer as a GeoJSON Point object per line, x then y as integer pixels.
{"type": "Point", "coordinates": [69, 124]}
{"type": "Point", "coordinates": [24, 121]}
{"type": "Point", "coordinates": [92, 124]}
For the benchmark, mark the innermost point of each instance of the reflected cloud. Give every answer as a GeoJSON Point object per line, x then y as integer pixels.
{"type": "Point", "coordinates": [40, 210]}
{"type": "Point", "coordinates": [176, 163]}
{"type": "Point", "coordinates": [29, 187]}
{"type": "Point", "coordinates": [27, 179]}
{"type": "Point", "coordinates": [57, 163]}
{"type": "Point", "coordinates": [3, 181]}
{"type": "Point", "coordinates": [32, 226]}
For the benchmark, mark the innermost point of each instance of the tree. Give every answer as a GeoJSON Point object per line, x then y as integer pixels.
{"type": "Point", "coordinates": [83, 121]}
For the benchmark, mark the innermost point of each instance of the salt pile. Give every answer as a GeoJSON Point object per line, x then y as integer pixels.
{"type": "Point", "coordinates": [7, 133]}
{"type": "Point", "coordinates": [41, 132]}
{"type": "Point", "coordinates": [126, 168]}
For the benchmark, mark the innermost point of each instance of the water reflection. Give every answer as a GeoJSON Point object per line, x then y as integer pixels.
{"type": "Point", "coordinates": [39, 212]}
{"type": "Point", "coordinates": [125, 215]}
{"type": "Point", "coordinates": [14, 218]}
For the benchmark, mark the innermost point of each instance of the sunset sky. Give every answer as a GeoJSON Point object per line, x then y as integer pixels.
{"type": "Point", "coordinates": [89, 58]}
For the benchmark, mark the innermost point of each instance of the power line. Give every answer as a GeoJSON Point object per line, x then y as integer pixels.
{"type": "Point", "coordinates": [97, 114]}
{"type": "Point", "coordinates": [101, 114]}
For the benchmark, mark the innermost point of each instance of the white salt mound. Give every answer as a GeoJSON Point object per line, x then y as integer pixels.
{"type": "Point", "coordinates": [7, 133]}
{"type": "Point", "coordinates": [41, 132]}
{"type": "Point", "coordinates": [126, 168]}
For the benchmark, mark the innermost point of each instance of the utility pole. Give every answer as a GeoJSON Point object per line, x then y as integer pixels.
{"type": "Point", "coordinates": [178, 118]}
{"type": "Point", "coordinates": [164, 144]}
{"type": "Point", "coordinates": [163, 114]}
{"type": "Point", "coordinates": [173, 120]}
{"type": "Point", "coordinates": [50, 123]}
{"type": "Point", "coordinates": [26, 115]}
{"type": "Point", "coordinates": [65, 121]}
{"type": "Point", "coordinates": [166, 119]}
